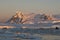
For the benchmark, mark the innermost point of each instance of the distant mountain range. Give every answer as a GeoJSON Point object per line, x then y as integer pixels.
{"type": "Point", "coordinates": [30, 18]}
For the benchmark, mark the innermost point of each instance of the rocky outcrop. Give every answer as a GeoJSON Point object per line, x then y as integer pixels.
{"type": "Point", "coordinates": [17, 18]}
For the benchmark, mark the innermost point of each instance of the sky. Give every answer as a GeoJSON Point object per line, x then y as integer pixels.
{"type": "Point", "coordinates": [9, 7]}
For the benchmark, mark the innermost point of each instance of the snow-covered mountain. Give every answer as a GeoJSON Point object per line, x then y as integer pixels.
{"type": "Point", "coordinates": [32, 18]}
{"type": "Point", "coordinates": [28, 18]}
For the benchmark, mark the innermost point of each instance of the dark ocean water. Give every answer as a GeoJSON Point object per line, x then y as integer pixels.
{"type": "Point", "coordinates": [29, 34]}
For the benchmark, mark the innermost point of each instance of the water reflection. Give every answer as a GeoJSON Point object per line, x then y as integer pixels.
{"type": "Point", "coordinates": [29, 34]}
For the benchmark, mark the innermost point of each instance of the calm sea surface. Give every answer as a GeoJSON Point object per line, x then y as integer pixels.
{"type": "Point", "coordinates": [29, 34]}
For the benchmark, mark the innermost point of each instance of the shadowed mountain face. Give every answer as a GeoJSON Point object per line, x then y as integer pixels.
{"type": "Point", "coordinates": [37, 18]}
{"type": "Point", "coordinates": [57, 16]}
